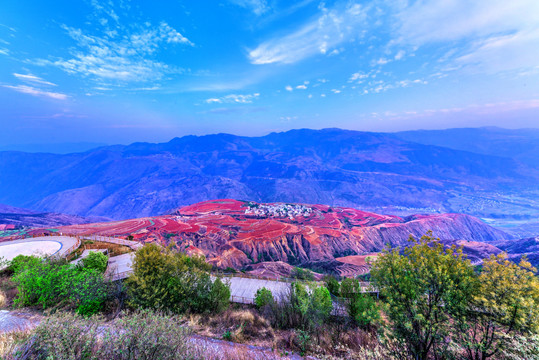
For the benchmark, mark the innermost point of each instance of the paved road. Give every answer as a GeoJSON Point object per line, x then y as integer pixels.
{"type": "Point", "coordinates": [47, 245]}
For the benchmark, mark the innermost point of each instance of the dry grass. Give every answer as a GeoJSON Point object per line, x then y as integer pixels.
{"type": "Point", "coordinates": [113, 249]}
{"type": "Point", "coordinates": [245, 325]}
{"type": "Point", "coordinates": [8, 290]}
{"type": "Point", "coordinates": [9, 340]}
{"type": "Point", "coordinates": [239, 324]}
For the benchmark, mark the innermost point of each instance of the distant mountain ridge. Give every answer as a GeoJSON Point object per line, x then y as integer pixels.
{"type": "Point", "coordinates": [374, 171]}
{"type": "Point", "coordinates": [25, 218]}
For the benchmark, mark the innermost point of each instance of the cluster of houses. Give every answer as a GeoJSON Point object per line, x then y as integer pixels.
{"type": "Point", "coordinates": [278, 210]}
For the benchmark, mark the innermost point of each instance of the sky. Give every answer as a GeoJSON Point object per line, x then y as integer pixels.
{"type": "Point", "coordinates": [124, 71]}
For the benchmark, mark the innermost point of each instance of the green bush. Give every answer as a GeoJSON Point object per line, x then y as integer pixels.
{"type": "Point", "coordinates": [49, 283]}
{"type": "Point", "coordinates": [20, 261]}
{"type": "Point", "coordinates": [333, 285]}
{"type": "Point", "coordinates": [301, 308]}
{"type": "Point", "coordinates": [350, 287]}
{"type": "Point", "coordinates": [302, 274]}
{"type": "Point", "coordinates": [263, 297]}
{"type": "Point", "coordinates": [95, 261]}
{"type": "Point", "coordinates": [320, 305]}
{"type": "Point", "coordinates": [172, 281]}
{"type": "Point", "coordinates": [364, 310]}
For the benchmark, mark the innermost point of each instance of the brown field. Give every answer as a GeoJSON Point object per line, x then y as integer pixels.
{"type": "Point", "coordinates": [358, 260]}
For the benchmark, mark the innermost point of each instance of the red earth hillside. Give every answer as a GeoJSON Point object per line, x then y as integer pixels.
{"type": "Point", "coordinates": [232, 233]}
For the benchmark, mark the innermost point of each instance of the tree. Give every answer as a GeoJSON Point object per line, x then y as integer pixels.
{"type": "Point", "coordinates": [333, 285]}
{"type": "Point", "coordinates": [168, 280]}
{"type": "Point", "coordinates": [350, 287]}
{"type": "Point", "coordinates": [96, 260]}
{"type": "Point", "coordinates": [505, 305]}
{"type": "Point", "coordinates": [364, 310]}
{"type": "Point", "coordinates": [263, 297]}
{"type": "Point", "coordinates": [421, 287]}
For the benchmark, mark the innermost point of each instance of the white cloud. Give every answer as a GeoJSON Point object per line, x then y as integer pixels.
{"type": "Point", "coordinates": [234, 98]}
{"type": "Point", "coordinates": [301, 87]}
{"type": "Point", "coordinates": [381, 61]}
{"type": "Point", "coordinates": [505, 52]}
{"type": "Point", "coordinates": [427, 21]}
{"type": "Point", "coordinates": [36, 92]}
{"type": "Point", "coordinates": [335, 91]}
{"type": "Point", "coordinates": [495, 35]}
{"type": "Point", "coordinates": [33, 79]}
{"type": "Point", "coordinates": [258, 7]}
{"type": "Point", "coordinates": [317, 36]}
{"type": "Point", "coordinates": [358, 76]}
{"type": "Point", "coordinates": [288, 88]}
{"type": "Point", "coordinates": [124, 57]}
{"type": "Point", "coordinates": [400, 54]}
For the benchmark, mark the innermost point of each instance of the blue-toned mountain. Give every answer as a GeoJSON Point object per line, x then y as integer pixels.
{"type": "Point", "coordinates": [373, 171]}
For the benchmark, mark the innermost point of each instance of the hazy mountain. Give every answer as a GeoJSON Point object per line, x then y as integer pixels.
{"type": "Point", "coordinates": [54, 148]}
{"type": "Point", "coordinates": [20, 218]}
{"type": "Point", "coordinates": [371, 171]}
{"type": "Point", "coordinates": [520, 144]}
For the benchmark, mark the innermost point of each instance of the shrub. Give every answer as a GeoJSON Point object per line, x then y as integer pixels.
{"type": "Point", "coordinates": [350, 287]}
{"type": "Point", "coordinates": [95, 261]}
{"type": "Point", "coordinates": [364, 310]}
{"type": "Point", "coordinates": [302, 274]}
{"type": "Point", "coordinates": [20, 261]}
{"type": "Point", "coordinates": [219, 296]}
{"type": "Point", "coordinates": [263, 297]}
{"type": "Point", "coordinates": [163, 279]}
{"type": "Point", "coordinates": [301, 308]}
{"type": "Point", "coordinates": [89, 291]}
{"type": "Point", "coordinates": [50, 283]}
{"type": "Point", "coordinates": [333, 285]}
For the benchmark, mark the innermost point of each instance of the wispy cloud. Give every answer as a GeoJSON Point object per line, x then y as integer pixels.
{"type": "Point", "coordinates": [318, 36]}
{"type": "Point", "coordinates": [492, 36]}
{"type": "Point", "coordinates": [36, 92]}
{"type": "Point", "coordinates": [123, 55]}
{"type": "Point", "coordinates": [233, 98]}
{"type": "Point", "coordinates": [29, 78]}
{"type": "Point", "coordinates": [258, 7]}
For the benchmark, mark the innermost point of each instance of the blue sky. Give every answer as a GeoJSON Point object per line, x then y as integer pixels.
{"type": "Point", "coordinates": [125, 71]}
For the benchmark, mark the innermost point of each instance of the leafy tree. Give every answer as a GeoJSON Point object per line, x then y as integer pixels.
{"type": "Point", "coordinates": [333, 285]}
{"type": "Point", "coordinates": [164, 279]}
{"type": "Point", "coordinates": [263, 297]}
{"type": "Point", "coordinates": [321, 304]}
{"type": "Point", "coordinates": [421, 288]}
{"type": "Point", "coordinates": [350, 287]}
{"type": "Point", "coordinates": [96, 261]}
{"type": "Point", "coordinates": [363, 309]}
{"type": "Point", "coordinates": [505, 305]}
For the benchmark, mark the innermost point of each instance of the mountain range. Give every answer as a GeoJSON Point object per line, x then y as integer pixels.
{"type": "Point", "coordinates": [488, 173]}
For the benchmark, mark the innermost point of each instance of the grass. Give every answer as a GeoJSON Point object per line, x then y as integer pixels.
{"type": "Point", "coordinates": [113, 249]}
{"type": "Point", "coordinates": [8, 290]}
{"type": "Point", "coordinates": [139, 335]}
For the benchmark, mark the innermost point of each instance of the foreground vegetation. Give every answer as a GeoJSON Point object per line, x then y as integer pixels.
{"type": "Point", "coordinates": [433, 304]}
